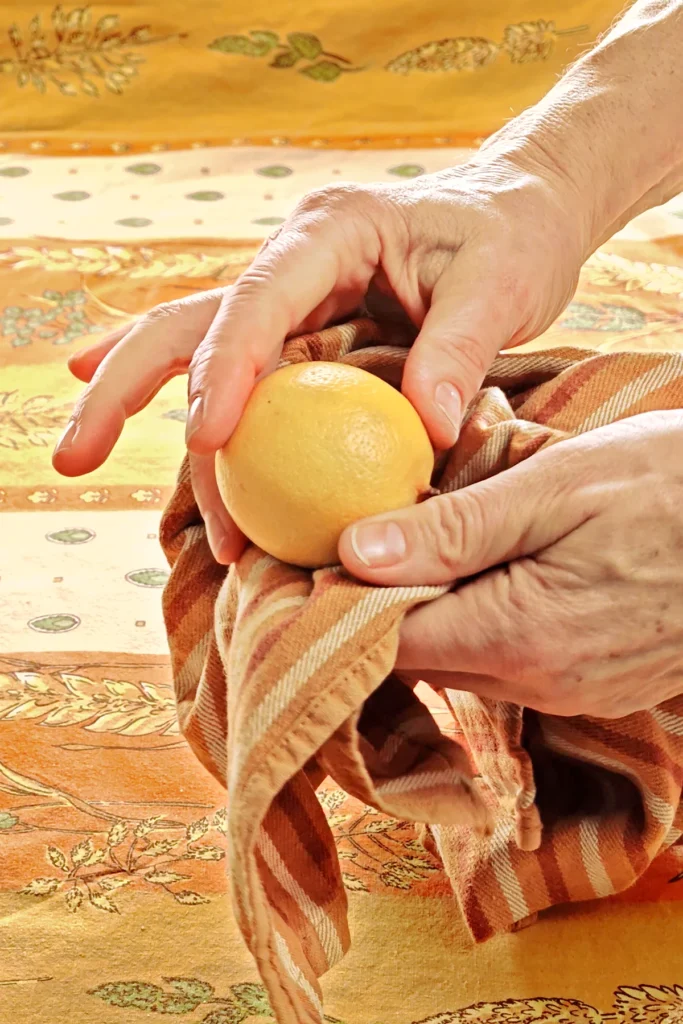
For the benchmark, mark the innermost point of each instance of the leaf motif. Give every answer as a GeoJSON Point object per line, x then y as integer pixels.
{"type": "Point", "coordinates": [206, 196]}
{"type": "Point", "coordinates": [420, 863]}
{"type": "Point", "coordinates": [220, 821]}
{"type": "Point", "coordinates": [160, 847]}
{"type": "Point", "coordinates": [305, 45]}
{"type": "Point", "coordinates": [73, 535]}
{"type": "Point", "coordinates": [74, 899]}
{"type": "Point", "coordinates": [148, 577]}
{"type": "Point", "coordinates": [78, 18]}
{"type": "Point", "coordinates": [134, 222]}
{"type": "Point", "coordinates": [205, 852]}
{"type": "Point", "coordinates": [331, 799]}
{"type": "Point", "coordinates": [603, 317]}
{"type": "Point", "coordinates": [465, 53]}
{"type": "Point", "coordinates": [189, 899]}
{"type": "Point", "coordinates": [73, 196]}
{"type": "Point", "coordinates": [82, 851]}
{"type": "Point", "coordinates": [54, 623]}
{"type": "Point", "coordinates": [96, 857]}
{"type": "Point", "coordinates": [113, 882]}
{"type": "Point", "coordinates": [649, 1004]}
{"type": "Point", "coordinates": [275, 171]}
{"type": "Point", "coordinates": [144, 168]}
{"type": "Point", "coordinates": [285, 59]}
{"type": "Point", "coordinates": [141, 34]}
{"type": "Point", "coordinates": [143, 828]}
{"type": "Point", "coordinates": [165, 877]}
{"type": "Point", "coordinates": [107, 24]}
{"type": "Point", "coordinates": [196, 829]}
{"type": "Point", "coordinates": [41, 887]}
{"type": "Point", "coordinates": [265, 37]}
{"type": "Point", "coordinates": [323, 71]}
{"type": "Point", "coordinates": [7, 820]}
{"type": "Point", "coordinates": [226, 1015]}
{"type": "Point", "coordinates": [335, 820]}
{"type": "Point", "coordinates": [529, 41]}
{"type": "Point", "coordinates": [380, 825]}
{"type": "Point", "coordinates": [143, 996]}
{"type": "Point", "coordinates": [14, 172]}
{"type": "Point", "coordinates": [102, 902]}
{"type": "Point", "coordinates": [241, 45]}
{"type": "Point", "coordinates": [353, 884]}
{"type": "Point", "coordinates": [57, 858]}
{"type": "Point", "coordinates": [252, 997]}
{"type": "Point", "coordinates": [395, 879]}
{"type": "Point", "coordinates": [192, 987]}
{"type": "Point", "coordinates": [407, 170]}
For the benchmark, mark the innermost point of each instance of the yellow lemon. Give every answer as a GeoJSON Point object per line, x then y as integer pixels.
{"type": "Point", "coordinates": [320, 446]}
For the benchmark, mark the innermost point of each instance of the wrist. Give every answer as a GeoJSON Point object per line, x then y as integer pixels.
{"type": "Point", "coordinates": [606, 135]}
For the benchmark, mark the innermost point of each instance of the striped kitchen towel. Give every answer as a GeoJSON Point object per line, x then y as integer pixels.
{"type": "Point", "coordinates": [284, 677]}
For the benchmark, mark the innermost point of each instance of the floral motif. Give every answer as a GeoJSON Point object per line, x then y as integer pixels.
{"type": "Point", "coordinates": [144, 853]}
{"type": "Point", "coordinates": [60, 318]}
{"type": "Point", "coordinates": [523, 43]}
{"type": "Point", "coordinates": [373, 847]}
{"type": "Point", "coordinates": [98, 705]}
{"type": "Point", "coordinates": [463, 54]}
{"type": "Point", "coordinates": [147, 497]}
{"type": "Point", "coordinates": [30, 422]}
{"type": "Point", "coordinates": [139, 262]}
{"type": "Point", "coordinates": [608, 270]}
{"type": "Point", "coordinates": [302, 51]}
{"type": "Point", "coordinates": [48, 497]}
{"type": "Point", "coordinates": [648, 1004]}
{"type": "Point", "coordinates": [100, 497]}
{"type": "Point", "coordinates": [73, 55]}
{"type": "Point", "coordinates": [185, 995]}
{"type": "Point", "coordinates": [645, 1004]}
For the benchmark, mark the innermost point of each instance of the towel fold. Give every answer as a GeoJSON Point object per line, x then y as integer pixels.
{"type": "Point", "coordinates": [284, 677]}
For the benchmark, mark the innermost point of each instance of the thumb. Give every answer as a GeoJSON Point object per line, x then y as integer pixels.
{"type": "Point", "coordinates": [452, 536]}
{"type": "Point", "coordinates": [470, 319]}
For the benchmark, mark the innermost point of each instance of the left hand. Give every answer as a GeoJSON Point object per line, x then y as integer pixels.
{"type": "Point", "coordinates": [581, 611]}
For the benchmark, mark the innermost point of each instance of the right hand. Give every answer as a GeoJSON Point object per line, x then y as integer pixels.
{"type": "Point", "coordinates": [480, 257]}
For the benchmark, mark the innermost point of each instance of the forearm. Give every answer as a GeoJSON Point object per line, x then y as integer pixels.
{"type": "Point", "coordinates": [612, 127]}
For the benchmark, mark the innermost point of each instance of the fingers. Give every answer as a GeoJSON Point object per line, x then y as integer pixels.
{"type": "Point", "coordinates": [83, 364]}
{"type": "Point", "coordinates": [493, 636]}
{"type": "Point", "coordinates": [470, 319]}
{"type": "Point", "coordinates": [225, 539]}
{"type": "Point", "coordinates": [158, 347]}
{"type": "Point", "coordinates": [319, 262]}
{"type": "Point", "coordinates": [452, 536]}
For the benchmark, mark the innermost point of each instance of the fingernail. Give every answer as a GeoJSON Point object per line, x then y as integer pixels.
{"type": "Point", "coordinates": [448, 400]}
{"type": "Point", "coordinates": [378, 544]}
{"type": "Point", "coordinates": [66, 440]}
{"type": "Point", "coordinates": [194, 417]}
{"type": "Point", "coordinates": [215, 534]}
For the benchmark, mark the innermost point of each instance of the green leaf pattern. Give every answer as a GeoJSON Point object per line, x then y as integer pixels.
{"type": "Point", "coordinates": [320, 66]}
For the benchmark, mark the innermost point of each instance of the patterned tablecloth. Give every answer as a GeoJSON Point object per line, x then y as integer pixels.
{"type": "Point", "coordinates": [113, 896]}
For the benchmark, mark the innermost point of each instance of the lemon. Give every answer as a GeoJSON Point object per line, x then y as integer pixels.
{"type": "Point", "coordinates": [320, 446]}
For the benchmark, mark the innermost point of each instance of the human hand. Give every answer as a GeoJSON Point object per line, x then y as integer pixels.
{"type": "Point", "coordinates": [480, 257]}
{"type": "Point", "coordinates": [581, 609]}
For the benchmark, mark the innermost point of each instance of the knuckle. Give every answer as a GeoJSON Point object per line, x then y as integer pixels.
{"type": "Point", "coordinates": [162, 312]}
{"type": "Point", "coordinates": [330, 199]}
{"type": "Point", "coordinates": [467, 356]}
{"type": "Point", "coordinates": [454, 528]}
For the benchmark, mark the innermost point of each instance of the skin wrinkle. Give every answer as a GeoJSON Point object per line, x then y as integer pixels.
{"type": "Point", "coordinates": [480, 257]}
